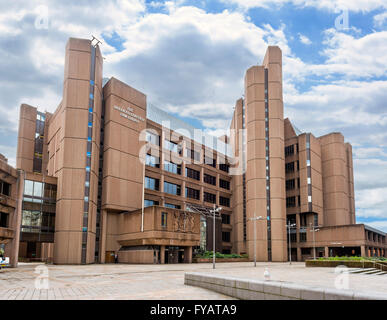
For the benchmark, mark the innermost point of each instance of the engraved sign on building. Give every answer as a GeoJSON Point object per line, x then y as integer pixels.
{"type": "Point", "coordinates": [128, 113]}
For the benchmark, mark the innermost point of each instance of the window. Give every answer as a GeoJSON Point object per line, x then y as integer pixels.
{"type": "Point", "coordinates": [289, 150]}
{"type": "Point", "coordinates": [226, 236]}
{"type": "Point", "coordinates": [194, 155]}
{"type": "Point", "coordinates": [152, 161]}
{"type": "Point", "coordinates": [209, 197]}
{"type": "Point", "coordinates": [149, 203]}
{"type": "Point", "coordinates": [224, 184]}
{"type": "Point", "coordinates": [5, 188]}
{"type": "Point", "coordinates": [298, 165]}
{"type": "Point", "coordinates": [164, 216]}
{"type": "Point", "coordinates": [209, 179]}
{"type": "Point", "coordinates": [315, 219]}
{"type": "Point", "coordinates": [153, 138]}
{"type": "Point", "coordinates": [172, 146]}
{"type": "Point", "coordinates": [289, 167]}
{"type": "Point", "coordinates": [3, 220]}
{"type": "Point", "coordinates": [225, 218]}
{"type": "Point", "coordinates": [172, 188]}
{"type": "Point", "coordinates": [290, 184]}
{"type": "Point", "coordinates": [290, 202]}
{"type": "Point", "coordinates": [302, 237]}
{"type": "Point", "coordinates": [193, 174]}
{"type": "Point", "coordinates": [224, 167]}
{"type": "Point", "coordinates": [210, 161]}
{"type": "Point", "coordinates": [192, 193]}
{"type": "Point", "coordinates": [28, 187]}
{"type": "Point", "coordinates": [172, 206]}
{"type": "Point", "coordinates": [151, 183]}
{"type": "Point", "coordinates": [31, 219]}
{"type": "Point", "coordinates": [172, 167]}
{"type": "Point", "coordinates": [223, 201]}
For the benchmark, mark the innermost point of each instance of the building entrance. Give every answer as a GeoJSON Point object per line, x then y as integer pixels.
{"type": "Point", "coordinates": [174, 255]}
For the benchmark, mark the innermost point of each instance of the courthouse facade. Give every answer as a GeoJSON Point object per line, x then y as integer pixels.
{"type": "Point", "coordinates": [109, 173]}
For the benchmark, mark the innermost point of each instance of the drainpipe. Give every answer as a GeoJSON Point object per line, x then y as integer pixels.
{"type": "Point", "coordinates": [142, 204]}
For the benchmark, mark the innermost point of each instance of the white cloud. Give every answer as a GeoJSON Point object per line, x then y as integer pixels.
{"type": "Point", "coordinates": [304, 39]}
{"type": "Point", "coordinates": [331, 5]}
{"type": "Point", "coordinates": [371, 203]}
{"type": "Point", "coordinates": [380, 225]}
{"type": "Point", "coordinates": [380, 19]}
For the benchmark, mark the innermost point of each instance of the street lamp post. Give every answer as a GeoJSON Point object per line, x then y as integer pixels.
{"type": "Point", "coordinates": [214, 211]}
{"type": "Point", "coordinates": [255, 237]}
{"type": "Point", "coordinates": [290, 225]}
{"type": "Point", "coordinates": [314, 242]}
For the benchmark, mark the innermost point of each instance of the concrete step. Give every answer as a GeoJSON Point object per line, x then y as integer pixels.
{"type": "Point", "coordinates": [361, 270]}
{"type": "Point", "coordinates": [372, 271]}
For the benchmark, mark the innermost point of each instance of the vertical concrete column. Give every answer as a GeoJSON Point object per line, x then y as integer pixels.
{"type": "Point", "coordinates": [351, 188]}
{"type": "Point", "coordinates": [162, 254]}
{"type": "Point", "coordinates": [363, 251]}
{"type": "Point", "coordinates": [25, 139]}
{"type": "Point", "coordinates": [237, 218]}
{"type": "Point", "coordinates": [326, 253]}
{"type": "Point", "coordinates": [273, 62]}
{"type": "Point", "coordinates": [103, 236]}
{"type": "Point", "coordinates": [188, 254]}
{"type": "Point", "coordinates": [299, 258]}
{"type": "Point", "coordinates": [256, 195]}
{"type": "Point", "coordinates": [76, 206]}
{"type": "Point", "coordinates": [335, 180]}
{"type": "Point", "coordinates": [17, 217]}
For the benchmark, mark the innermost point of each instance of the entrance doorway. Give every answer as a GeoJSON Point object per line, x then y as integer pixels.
{"type": "Point", "coordinates": [31, 250]}
{"type": "Point", "coordinates": [174, 255]}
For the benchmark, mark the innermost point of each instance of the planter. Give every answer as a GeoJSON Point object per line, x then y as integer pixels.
{"type": "Point", "coordinates": [335, 263]}
{"type": "Point", "coordinates": [208, 260]}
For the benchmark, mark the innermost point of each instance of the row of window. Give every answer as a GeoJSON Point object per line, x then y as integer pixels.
{"type": "Point", "coordinates": [175, 189]}
{"type": "Point", "coordinates": [37, 221]}
{"type": "Point", "coordinates": [39, 190]}
{"type": "Point", "coordinates": [189, 172]}
{"type": "Point", "coordinates": [291, 184]}
{"type": "Point", "coordinates": [189, 153]}
{"type": "Point", "coordinates": [290, 166]}
{"type": "Point", "coordinates": [38, 145]}
{"type": "Point", "coordinates": [289, 150]}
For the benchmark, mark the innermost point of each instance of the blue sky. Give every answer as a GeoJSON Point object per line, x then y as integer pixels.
{"type": "Point", "coordinates": [189, 57]}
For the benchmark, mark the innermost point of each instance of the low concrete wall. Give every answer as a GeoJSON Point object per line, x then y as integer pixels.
{"type": "Point", "coordinates": [271, 290]}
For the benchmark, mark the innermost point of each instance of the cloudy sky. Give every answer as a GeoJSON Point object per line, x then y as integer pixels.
{"type": "Point", "coordinates": [189, 57]}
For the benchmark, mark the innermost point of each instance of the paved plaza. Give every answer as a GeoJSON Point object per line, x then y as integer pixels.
{"type": "Point", "coordinates": [157, 282]}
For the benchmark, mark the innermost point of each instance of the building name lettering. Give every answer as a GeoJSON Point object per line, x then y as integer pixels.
{"type": "Point", "coordinates": [129, 114]}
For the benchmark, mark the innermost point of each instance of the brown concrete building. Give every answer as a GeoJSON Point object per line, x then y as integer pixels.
{"type": "Point", "coordinates": [108, 173]}
{"type": "Point", "coordinates": [11, 182]}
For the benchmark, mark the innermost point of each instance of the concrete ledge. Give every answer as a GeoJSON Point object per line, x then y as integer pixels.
{"type": "Point", "coordinates": [246, 289]}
